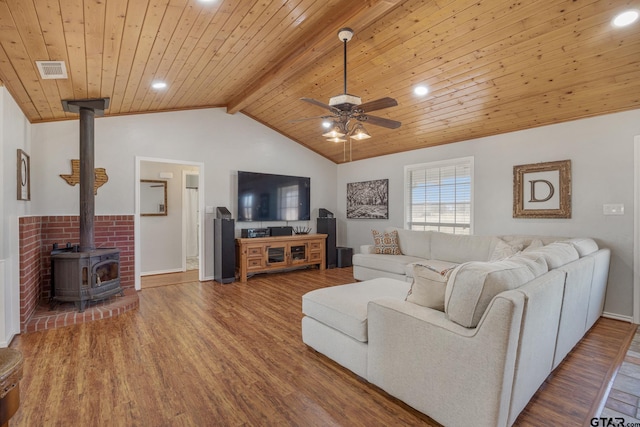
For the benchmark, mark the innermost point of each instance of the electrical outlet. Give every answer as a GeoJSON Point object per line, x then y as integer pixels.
{"type": "Point", "coordinates": [613, 209]}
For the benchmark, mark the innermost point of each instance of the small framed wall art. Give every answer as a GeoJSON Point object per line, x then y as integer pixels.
{"type": "Point", "coordinates": [368, 199]}
{"type": "Point", "coordinates": [542, 190]}
{"type": "Point", "coordinates": [24, 176]}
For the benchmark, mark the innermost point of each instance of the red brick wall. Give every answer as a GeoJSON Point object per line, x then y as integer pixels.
{"type": "Point", "coordinates": [30, 266]}
{"type": "Point", "coordinates": [37, 236]}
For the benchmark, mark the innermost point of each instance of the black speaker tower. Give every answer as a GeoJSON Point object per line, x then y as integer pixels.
{"type": "Point", "coordinates": [328, 226]}
{"type": "Point", "coordinates": [224, 247]}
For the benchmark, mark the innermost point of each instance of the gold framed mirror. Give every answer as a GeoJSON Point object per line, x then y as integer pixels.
{"type": "Point", "coordinates": [153, 197]}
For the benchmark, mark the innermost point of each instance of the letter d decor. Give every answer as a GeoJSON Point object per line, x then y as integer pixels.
{"type": "Point", "coordinates": [542, 190]}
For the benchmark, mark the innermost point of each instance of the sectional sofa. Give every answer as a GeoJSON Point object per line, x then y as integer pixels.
{"type": "Point", "coordinates": [471, 339]}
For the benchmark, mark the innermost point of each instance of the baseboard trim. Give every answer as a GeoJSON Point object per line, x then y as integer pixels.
{"type": "Point", "coordinates": [153, 273]}
{"type": "Point", "coordinates": [615, 316]}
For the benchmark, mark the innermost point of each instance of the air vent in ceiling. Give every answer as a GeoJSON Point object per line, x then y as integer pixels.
{"type": "Point", "coordinates": [52, 69]}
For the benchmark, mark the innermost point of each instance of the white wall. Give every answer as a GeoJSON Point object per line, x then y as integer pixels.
{"type": "Point", "coordinates": [14, 134]}
{"type": "Point", "coordinates": [224, 143]}
{"type": "Point", "coordinates": [601, 154]}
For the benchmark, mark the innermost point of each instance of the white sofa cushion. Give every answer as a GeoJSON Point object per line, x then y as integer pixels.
{"type": "Point", "coordinates": [430, 283]}
{"type": "Point", "coordinates": [528, 240]}
{"type": "Point", "coordinates": [414, 242]}
{"type": "Point", "coordinates": [391, 263]}
{"type": "Point", "coordinates": [557, 254]}
{"type": "Point", "coordinates": [584, 246]}
{"type": "Point", "coordinates": [461, 248]}
{"type": "Point", "coordinates": [472, 286]}
{"type": "Point", "coordinates": [534, 262]}
{"type": "Point", "coordinates": [344, 307]}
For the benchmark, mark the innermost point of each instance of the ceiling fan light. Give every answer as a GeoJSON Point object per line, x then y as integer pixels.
{"type": "Point", "coordinates": [359, 133]}
{"type": "Point", "coordinates": [361, 136]}
{"type": "Point", "coordinates": [336, 139]}
{"type": "Point", "coordinates": [334, 133]}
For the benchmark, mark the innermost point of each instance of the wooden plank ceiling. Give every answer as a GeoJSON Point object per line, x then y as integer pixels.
{"type": "Point", "coordinates": [492, 66]}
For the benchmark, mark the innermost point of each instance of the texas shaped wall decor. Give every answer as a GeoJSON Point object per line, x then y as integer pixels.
{"type": "Point", "coordinates": [74, 177]}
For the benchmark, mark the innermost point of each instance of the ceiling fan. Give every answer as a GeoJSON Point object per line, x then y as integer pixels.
{"type": "Point", "coordinates": [348, 113]}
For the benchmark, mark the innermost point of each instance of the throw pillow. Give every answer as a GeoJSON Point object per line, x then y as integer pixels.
{"type": "Point", "coordinates": [584, 246]}
{"type": "Point", "coordinates": [386, 243]}
{"type": "Point", "coordinates": [535, 244]}
{"type": "Point", "coordinates": [473, 285]}
{"type": "Point", "coordinates": [557, 254]}
{"type": "Point", "coordinates": [429, 286]}
{"type": "Point", "coordinates": [534, 262]}
{"type": "Point", "coordinates": [504, 250]}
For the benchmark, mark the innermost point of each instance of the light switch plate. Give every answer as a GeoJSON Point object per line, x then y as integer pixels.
{"type": "Point", "coordinates": [613, 209]}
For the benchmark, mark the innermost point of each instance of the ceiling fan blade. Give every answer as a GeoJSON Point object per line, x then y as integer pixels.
{"type": "Point", "coordinates": [380, 121]}
{"type": "Point", "coordinates": [378, 104]}
{"type": "Point", "coordinates": [309, 118]}
{"type": "Point", "coordinates": [320, 104]}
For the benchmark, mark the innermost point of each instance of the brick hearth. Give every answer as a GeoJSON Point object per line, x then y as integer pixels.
{"type": "Point", "coordinates": [37, 236]}
{"type": "Point", "coordinates": [66, 314]}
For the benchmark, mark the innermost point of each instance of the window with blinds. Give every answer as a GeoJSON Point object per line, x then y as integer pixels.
{"type": "Point", "coordinates": [439, 196]}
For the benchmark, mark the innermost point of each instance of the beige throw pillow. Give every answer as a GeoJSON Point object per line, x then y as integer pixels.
{"type": "Point", "coordinates": [386, 243]}
{"type": "Point", "coordinates": [504, 250]}
{"type": "Point", "coordinates": [429, 286]}
{"type": "Point", "coordinates": [473, 285]}
{"type": "Point", "coordinates": [535, 244]}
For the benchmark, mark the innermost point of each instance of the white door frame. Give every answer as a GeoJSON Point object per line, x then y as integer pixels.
{"type": "Point", "coordinates": [136, 233]}
{"type": "Point", "coordinates": [636, 229]}
{"type": "Point", "coordinates": [184, 218]}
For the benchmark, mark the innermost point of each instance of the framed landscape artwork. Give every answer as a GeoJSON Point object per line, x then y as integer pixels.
{"type": "Point", "coordinates": [368, 199]}
{"type": "Point", "coordinates": [542, 190]}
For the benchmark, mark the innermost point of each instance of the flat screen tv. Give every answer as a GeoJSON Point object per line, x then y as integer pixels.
{"type": "Point", "coordinates": [268, 197]}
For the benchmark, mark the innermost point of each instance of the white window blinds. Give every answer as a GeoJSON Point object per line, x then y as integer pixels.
{"type": "Point", "coordinates": [439, 196]}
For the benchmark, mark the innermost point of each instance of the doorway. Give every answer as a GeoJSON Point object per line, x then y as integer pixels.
{"type": "Point", "coordinates": [163, 243]}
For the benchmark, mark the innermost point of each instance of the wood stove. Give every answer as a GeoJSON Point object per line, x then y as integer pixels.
{"type": "Point", "coordinates": [80, 277]}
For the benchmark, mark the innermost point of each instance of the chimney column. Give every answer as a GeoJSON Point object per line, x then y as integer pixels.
{"type": "Point", "coordinates": [87, 108]}
{"type": "Point", "coordinates": [87, 179]}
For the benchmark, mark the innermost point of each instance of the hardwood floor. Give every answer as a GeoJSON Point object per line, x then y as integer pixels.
{"type": "Point", "coordinates": [230, 355]}
{"type": "Point", "coordinates": [157, 280]}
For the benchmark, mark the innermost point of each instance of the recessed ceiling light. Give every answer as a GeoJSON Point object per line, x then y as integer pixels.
{"type": "Point", "coordinates": [421, 90]}
{"type": "Point", "coordinates": [326, 124]}
{"type": "Point", "coordinates": [158, 85]}
{"type": "Point", "coordinates": [625, 18]}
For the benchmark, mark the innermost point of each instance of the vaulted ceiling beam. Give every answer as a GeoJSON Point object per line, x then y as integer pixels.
{"type": "Point", "coordinates": [312, 45]}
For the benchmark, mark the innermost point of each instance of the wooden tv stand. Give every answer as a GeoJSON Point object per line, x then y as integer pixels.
{"type": "Point", "coordinates": [263, 254]}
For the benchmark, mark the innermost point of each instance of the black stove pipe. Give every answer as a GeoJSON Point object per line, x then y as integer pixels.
{"type": "Point", "coordinates": [87, 108]}
{"type": "Point", "coordinates": [87, 180]}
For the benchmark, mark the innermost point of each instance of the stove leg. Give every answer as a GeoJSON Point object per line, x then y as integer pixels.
{"type": "Point", "coordinates": [79, 306]}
